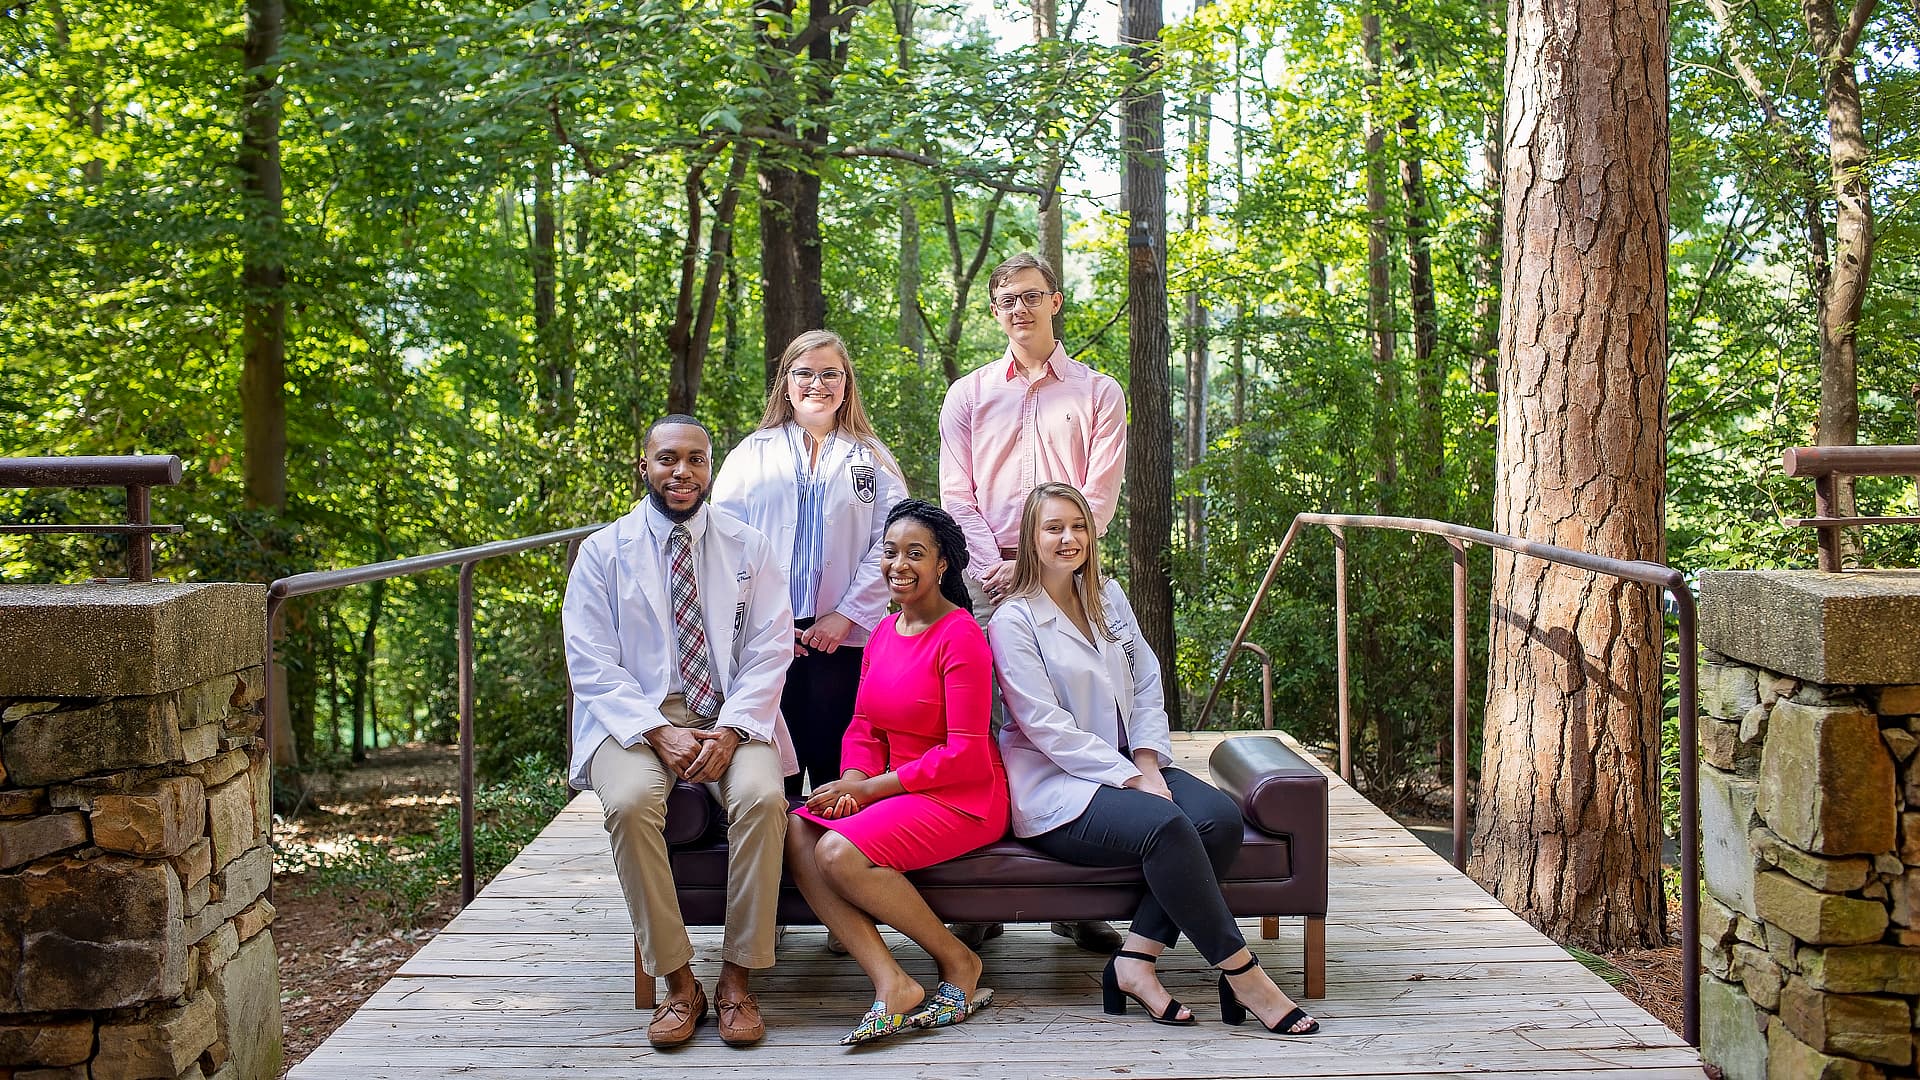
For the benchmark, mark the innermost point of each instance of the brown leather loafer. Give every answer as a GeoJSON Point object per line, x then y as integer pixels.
{"type": "Point", "coordinates": [675, 1019]}
{"type": "Point", "coordinates": [740, 1023]}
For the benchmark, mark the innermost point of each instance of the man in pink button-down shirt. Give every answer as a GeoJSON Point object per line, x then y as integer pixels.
{"type": "Point", "coordinates": [1032, 416]}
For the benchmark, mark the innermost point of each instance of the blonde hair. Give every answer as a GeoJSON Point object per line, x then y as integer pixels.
{"type": "Point", "coordinates": [852, 416]}
{"type": "Point", "coordinates": [1026, 560]}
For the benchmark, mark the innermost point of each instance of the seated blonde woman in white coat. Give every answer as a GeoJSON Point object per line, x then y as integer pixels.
{"type": "Point", "coordinates": [1090, 769]}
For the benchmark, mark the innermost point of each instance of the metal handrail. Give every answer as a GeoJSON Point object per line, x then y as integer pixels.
{"type": "Point", "coordinates": [1266, 680]}
{"type": "Point", "coordinates": [316, 581]}
{"type": "Point", "coordinates": [1828, 466]}
{"type": "Point", "coordinates": [1458, 537]}
{"type": "Point", "coordinates": [138, 473]}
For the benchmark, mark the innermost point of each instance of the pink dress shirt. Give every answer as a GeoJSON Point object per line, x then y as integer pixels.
{"type": "Point", "coordinates": [1002, 435]}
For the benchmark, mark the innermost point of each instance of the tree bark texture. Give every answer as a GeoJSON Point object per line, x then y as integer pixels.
{"type": "Point", "coordinates": [697, 302]}
{"type": "Point", "coordinates": [1053, 219]}
{"type": "Point", "coordinates": [263, 333]}
{"type": "Point", "coordinates": [1386, 376]}
{"type": "Point", "coordinates": [1149, 347]}
{"type": "Point", "coordinates": [1199, 210]}
{"type": "Point", "coordinates": [545, 260]}
{"type": "Point", "coordinates": [792, 287]}
{"type": "Point", "coordinates": [1428, 460]}
{"type": "Point", "coordinates": [792, 294]}
{"type": "Point", "coordinates": [1569, 812]}
{"type": "Point", "coordinates": [965, 267]}
{"type": "Point", "coordinates": [1852, 266]}
{"type": "Point", "coordinates": [912, 332]}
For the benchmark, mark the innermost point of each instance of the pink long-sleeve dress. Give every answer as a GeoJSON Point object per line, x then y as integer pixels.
{"type": "Point", "coordinates": [924, 712]}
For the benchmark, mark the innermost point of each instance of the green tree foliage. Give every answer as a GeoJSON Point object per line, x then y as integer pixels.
{"type": "Point", "coordinates": [489, 208]}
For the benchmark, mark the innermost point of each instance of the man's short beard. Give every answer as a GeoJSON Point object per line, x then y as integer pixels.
{"type": "Point", "coordinates": [678, 517]}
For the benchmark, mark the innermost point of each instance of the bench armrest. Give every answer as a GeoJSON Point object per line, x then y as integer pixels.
{"type": "Point", "coordinates": [1279, 792]}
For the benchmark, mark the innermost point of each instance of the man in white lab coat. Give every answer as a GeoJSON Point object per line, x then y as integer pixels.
{"type": "Point", "coordinates": [678, 634]}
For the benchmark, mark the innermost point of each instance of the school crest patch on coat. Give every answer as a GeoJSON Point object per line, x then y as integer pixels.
{"type": "Point", "coordinates": [864, 487]}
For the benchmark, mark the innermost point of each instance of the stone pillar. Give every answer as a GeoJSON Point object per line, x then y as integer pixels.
{"type": "Point", "coordinates": [133, 812]}
{"type": "Point", "coordinates": [1810, 823]}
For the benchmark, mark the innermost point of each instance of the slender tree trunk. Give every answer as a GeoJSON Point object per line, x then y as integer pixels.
{"type": "Point", "coordinates": [965, 268]}
{"type": "Point", "coordinates": [545, 292]}
{"type": "Point", "coordinates": [719, 267]}
{"type": "Point", "coordinates": [1053, 219]}
{"type": "Point", "coordinates": [1199, 184]}
{"type": "Point", "coordinates": [1569, 812]}
{"type": "Point", "coordinates": [263, 339]}
{"type": "Point", "coordinates": [792, 286]}
{"type": "Point", "coordinates": [1483, 365]}
{"type": "Point", "coordinates": [698, 298]}
{"type": "Point", "coordinates": [263, 372]}
{"type": "Point", "coordinates": [1239, 303]}
{"type": "Point", "coordinates": [1149, 390]}
{"type": "Point", "coordinates": [1386, 376]}
{"type": "Point", "coordinates": [912, 333]}
{"type": "Point", "coordinates": [361, 692]}
{"type": "Point", "coordinates": [1852, 267]}
{"type": "Point", "coordinates": [1429, 464]}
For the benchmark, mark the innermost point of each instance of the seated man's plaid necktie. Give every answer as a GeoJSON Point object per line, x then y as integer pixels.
{"type": "Point", "coordinates": [696, 671]}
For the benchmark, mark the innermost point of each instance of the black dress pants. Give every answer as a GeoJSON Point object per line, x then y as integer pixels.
{"type": "Point", "coordinates": [1182, 847]}
{"type": "Point", "coordinates": [818, 706]}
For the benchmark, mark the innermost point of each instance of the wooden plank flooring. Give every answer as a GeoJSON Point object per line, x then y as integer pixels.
{"type": "Point", "coordinates": [1426, 976]}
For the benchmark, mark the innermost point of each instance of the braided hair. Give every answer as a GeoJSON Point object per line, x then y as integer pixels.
{"type": "Point", "coordinates": [952, 543]}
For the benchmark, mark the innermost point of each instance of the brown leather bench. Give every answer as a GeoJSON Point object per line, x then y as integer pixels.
{"type": "Point", "coordinates": [1281, 869]}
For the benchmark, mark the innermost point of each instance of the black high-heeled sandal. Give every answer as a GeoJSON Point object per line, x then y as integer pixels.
{"type": "Point", "coordinates": [1232, 1012]}
{"type": "Point", "coordinates": [1113, 1000]}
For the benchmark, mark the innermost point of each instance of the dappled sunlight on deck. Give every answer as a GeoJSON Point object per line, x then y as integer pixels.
{"type": "Point", "coordinates": [1426, 976]}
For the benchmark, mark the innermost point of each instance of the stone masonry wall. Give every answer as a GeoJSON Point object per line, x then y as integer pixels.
{"type": "Point", "coordinates": [1810, 823]}
{"type": "Point", "coordinates": [134, 938]}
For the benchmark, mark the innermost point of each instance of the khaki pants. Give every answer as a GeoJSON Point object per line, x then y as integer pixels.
{"type": "Point", "coordinates": [632, 783]}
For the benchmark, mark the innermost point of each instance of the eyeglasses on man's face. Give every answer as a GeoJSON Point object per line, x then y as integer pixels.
{"type": "Point", "coordinates": [1031, 300]}
{"type": "Point", "coordinates": [829, 378]}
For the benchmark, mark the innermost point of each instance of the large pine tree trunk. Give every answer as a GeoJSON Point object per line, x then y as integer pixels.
{"type": "Point", "coordinates": [1569, 821]}
{"type": "Point", "coordinates": [1149, 391]}
{"type": "Point", "coordinates": [263, 332]}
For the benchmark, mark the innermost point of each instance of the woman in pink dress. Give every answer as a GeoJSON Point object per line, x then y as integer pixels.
{"type": "Point", "coordinates": [923, 782]}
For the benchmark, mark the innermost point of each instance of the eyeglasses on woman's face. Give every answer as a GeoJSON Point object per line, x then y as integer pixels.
{"type": "Point", "coordinates": [1031, 300]}
{"type": "Point", "coordinates": [831, 377]}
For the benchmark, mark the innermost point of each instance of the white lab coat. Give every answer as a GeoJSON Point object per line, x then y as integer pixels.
{"type": "Point", "coordinates": [617, 622]}
{"type": "Point", "coordinates": [757, 484]}
{"type": "Point", "coordinates": [1071, 704]}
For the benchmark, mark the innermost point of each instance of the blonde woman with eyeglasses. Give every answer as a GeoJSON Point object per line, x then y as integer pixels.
{"type": "Point", "coordinates": [1090, 767]}
{"type": "Point", "coordinates": [818, 482]}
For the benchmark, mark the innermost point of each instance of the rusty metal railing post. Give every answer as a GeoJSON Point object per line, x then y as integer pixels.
{"type": "Point", "coordinates": [1266, 682]}
{"type": "Point", "coordinates": [1826, 504]}
{"type": "Point", "coordinates": [1340, 648]}
{"type": "Point", "coordinates": [139, 544]}
{"type": "Point", "coordinates": [1689, 664]}
{"type": "Point", "coordinates": [1811, 462]}
{"type": "Point", "coordinates": [1246, 622]}
{"type": "Point", "coordinates": [573, 554]}
{"type": "Point", "coordinates": [1460, 742]}
{"type": "Point", "coordinates": [466, 734]}
{"type": "Point", "coordinates": [138, 474]}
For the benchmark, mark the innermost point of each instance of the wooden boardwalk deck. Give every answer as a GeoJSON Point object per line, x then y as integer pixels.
{"type": "Point", "coordinates": [1426, 976]}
